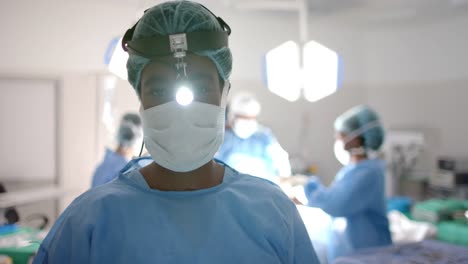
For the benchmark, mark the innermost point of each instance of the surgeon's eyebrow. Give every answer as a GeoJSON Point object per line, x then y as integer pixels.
{"type": "Point", "coordinates": [155, 79]}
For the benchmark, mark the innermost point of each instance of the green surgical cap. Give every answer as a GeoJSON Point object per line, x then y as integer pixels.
{"type": "Point", "coordinates": [357, 118]}
{"type": "Point", "coordinates": [172, 18]}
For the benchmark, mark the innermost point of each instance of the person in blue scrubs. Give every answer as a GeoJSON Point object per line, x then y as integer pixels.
{"type": "Point", "coordinates": [356, 198]}
{"type": "Point", "coordinates": [180, 205]}
{"type": "Point", "coordinates": [129, 137]}
{"type": "Point", "coordinates": [250, 147]}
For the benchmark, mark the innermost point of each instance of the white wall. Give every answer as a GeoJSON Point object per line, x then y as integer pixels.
{"type": "Point", "coordinates": [415, 54]}
{"type": "Point", "coordinates": [416, 77]}
{"type": "Point", "coordinates": [53, 37]}
{"type": "Point", "coordinates": [32, 124]}
{"type": "Point", "coordinates": [77, 134]}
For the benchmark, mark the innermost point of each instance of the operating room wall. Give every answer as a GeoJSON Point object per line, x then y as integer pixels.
{"type": "Point", "coordinates": [423, 52]}
{"type": "Point", "coordinates": [76, 140]}
{"type": "Point", "coordinates": [78, 129]}
{"type": "Point", "coordinates": [417, 78]}
{"type": "Point", "coordinates": [53, 37]}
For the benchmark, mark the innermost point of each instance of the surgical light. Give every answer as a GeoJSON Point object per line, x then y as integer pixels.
{"type": "Point", "coordinates": [283, 71]}
{"type": "Point", "coordinates": [317, 76]}
{"type": "Point", "coordinates": [184, 96]}
{"type": "Point", "coordinates": [320, 70]}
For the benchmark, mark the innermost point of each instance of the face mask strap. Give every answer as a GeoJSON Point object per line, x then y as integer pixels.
{"type": "Point", "coordinates": [226, 88]}
{"type": "Point", "coordinates": [141, 150]}
{"type": "Point", "coordinates": [358, 151]}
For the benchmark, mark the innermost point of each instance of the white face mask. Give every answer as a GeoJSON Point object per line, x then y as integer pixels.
{"type": "Point", "coordinates": [244, 128]}
{"type": "Point", "coordinates": [341, 154]}
{"type": "Point", "coordinates": [184, 138]}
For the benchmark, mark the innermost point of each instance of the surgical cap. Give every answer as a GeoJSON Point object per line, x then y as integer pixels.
{"type": "Point", "coordinates": [357, 118]}
{"type": "Point", "coordinates": [129, 130]}
{"type": "Point", "coordinates": [177, 17]}
{"type": "Point", "coordinates": [244, 104]}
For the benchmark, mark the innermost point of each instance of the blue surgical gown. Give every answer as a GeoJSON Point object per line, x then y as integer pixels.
{"type": "Point", "coordinates": [245, 219]}
{"type": "Point", "coordinates": [356, 201]}
{"type": "Point", "coordinates": [109, 168]}
{"type": "Point", "coordinates": [252, 155]}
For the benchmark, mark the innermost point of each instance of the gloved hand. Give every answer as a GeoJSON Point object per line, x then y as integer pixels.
{"type": "Point", "coordinates": [296, 201]}
{"type": "Point", "coordinates": [311, 186]}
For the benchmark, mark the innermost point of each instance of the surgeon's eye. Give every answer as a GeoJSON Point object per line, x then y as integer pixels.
{"type": "Point", "coordinates": [159, 91]}
{"type": "Point", "coordinates": [202, 89]}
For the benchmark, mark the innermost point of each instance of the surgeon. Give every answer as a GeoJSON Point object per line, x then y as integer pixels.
{"type": "Point", "coordinates": [129, 137]}
{"type": "Point", "coordinates": [180, 205]}
{"type": "Point", "coordinates": [356, 198]}
{"type": "Point", "coordinates": [250, 147]}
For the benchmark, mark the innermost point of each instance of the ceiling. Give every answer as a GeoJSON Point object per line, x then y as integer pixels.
{"type": "Point", "coordinates": [360, 12]}
{"type": "Point", "coordinates": [365, 11]}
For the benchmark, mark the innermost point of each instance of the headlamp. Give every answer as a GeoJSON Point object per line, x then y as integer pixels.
{"type": "Point", "coordinates": [184, 96]}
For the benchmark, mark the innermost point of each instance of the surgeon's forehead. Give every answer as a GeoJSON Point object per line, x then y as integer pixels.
{"type": "Point", "coordinates": [164, 69]}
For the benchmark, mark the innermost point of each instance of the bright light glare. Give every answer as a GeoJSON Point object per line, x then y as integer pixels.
{"type": "Point", "coordinates": [320, 71]}
{"type": "Point", "coordinates": [184, 96]}
{"type": "Point", "coordinates": [283, 71]}
{"type": "Point", "coordinates": [118, 61]}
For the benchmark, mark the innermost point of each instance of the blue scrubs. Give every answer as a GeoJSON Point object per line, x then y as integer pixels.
{"type": "Point", "coordinates": [249, 155]}
{"type": "Point", "coordinates": [109, 168]}
{"type": "Point", "coordinates": [243, 220]}
{"type": "Point", "coordinates": [356, 200]}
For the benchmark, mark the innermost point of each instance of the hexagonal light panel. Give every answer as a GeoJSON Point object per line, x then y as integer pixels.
{"type": "Point", "coordinates": [284, 72]}
{"type": "Point", "coordinates": [320, 71]}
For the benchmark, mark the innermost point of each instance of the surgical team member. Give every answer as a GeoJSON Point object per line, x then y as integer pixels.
{"type": "Point", "coordinates": [129, 137]}
{"type": "Point", "coordinates": [250, 147]}
{"type": "Point", "coordinates": [356, 198]}
{"type": "Point", "coordinates": [183, 207]}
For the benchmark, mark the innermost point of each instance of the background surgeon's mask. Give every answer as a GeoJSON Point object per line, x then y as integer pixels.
{"type": "Point", "coordinates": [184, 138]}
{"type": "Point", "coordinates": [343, 155]}
{"type": "Point", "coordinates": [244, 128]}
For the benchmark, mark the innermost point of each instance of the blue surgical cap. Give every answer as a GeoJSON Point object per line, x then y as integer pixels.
{"type": "Point", "coordinates": [357, 118]}
{"type": "Point", "coordinates": [129, 130]}
{"type": "Point", "coordinates": [177, 17]}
